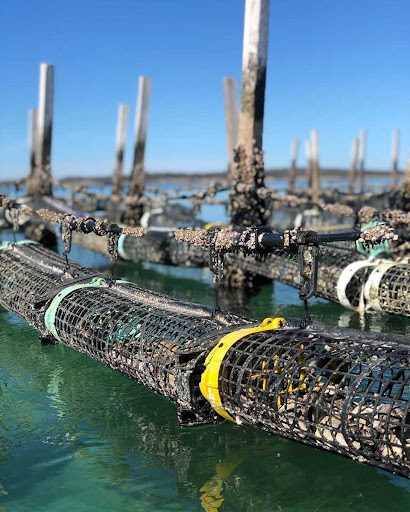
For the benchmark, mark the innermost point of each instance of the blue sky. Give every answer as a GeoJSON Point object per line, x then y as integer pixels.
{"type": "Point", "coordinates": [334, 66]}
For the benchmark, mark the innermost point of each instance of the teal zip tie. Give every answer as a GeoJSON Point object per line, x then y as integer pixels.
{"type": "Point", "coordinates": [50, 314]}
{"type": "Point", "coordinates": [374, 251]}
{"type": "Point", "coordinates": [25, 242]}
{"type": "Point", "coordinates": [4, 245]}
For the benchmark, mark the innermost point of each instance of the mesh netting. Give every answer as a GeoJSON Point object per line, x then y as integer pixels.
{"type": "Point", "coordinates": [331, 390]}
{"type": "Point", "coordinates": [27, 272]}
{"type": "Point", "coordinates": [284, 267]}
{"type": "Point", "coordinates": [149, 248]}
{"type": "Point", "coordinates": [161, 247]}
{"type": "Point", "coordinates": [393, 291]}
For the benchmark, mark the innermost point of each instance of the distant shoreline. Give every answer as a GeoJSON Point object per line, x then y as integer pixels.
{"type": "Point", "coordinates": [170, 176]}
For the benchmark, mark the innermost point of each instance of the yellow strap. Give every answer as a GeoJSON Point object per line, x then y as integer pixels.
{"type": "Point", "coordinates": [209, 384]}
{"type": "Point", "coordinates": [210, 225]}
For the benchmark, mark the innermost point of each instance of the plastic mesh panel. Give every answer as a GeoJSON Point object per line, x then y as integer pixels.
{"type": "Point", "coordinates": [144, 342]}
{"type": "Point", "coordinates": [394, 290]}
{"type": "Point", "coordinates": [163, 248]}
{"type": "Point", "coordinates": [333, 392]}
{"type": "Point", "coordinates": [284, 267]}
{"type": "Point", "coordinates": [22, 280]}
{"type": "Point", "coordinates": [147, 248]}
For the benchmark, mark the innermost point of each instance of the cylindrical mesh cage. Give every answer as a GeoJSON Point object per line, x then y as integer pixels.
{"type": "Point", "coordinates": [388, 288]}
{"type": "Point", "coordinates": [149, 337]}
{"type": "Point", "coordinates": [329, 389]}
{"type": "Point", "coordinates": [338, 389]}
{"type": "Point", "coordinates": [335, 281]}
{"type": "Point", "coordinates": [29, 271]}
{"type": "Point", "coordinates": [284, 267]}
{"type": "Point", "coordinates": [161, 247]}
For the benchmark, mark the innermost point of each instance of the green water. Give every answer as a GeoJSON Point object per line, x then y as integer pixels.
{"type": "Point", "coordinates": [76, 436]}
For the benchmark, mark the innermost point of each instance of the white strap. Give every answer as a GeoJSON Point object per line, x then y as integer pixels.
{"type": "Point", "coordinates": [345, 278]}
{"type": "Point", "coordinates": [371, 288]}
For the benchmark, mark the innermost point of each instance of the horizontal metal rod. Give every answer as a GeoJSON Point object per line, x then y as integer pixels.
{"type": "Point", "coordinates": [257, 240]}
{"type": "Point", "coordinates": [272, 240]}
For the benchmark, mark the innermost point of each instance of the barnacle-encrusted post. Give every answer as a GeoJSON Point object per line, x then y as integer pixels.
{"type": "Point", "coordinates": [247, 208]}
{"type": "Point", "coordinates": [121, 137]}
{"type": "Point", "coordinates": [40, 180]}
{"type": "Point", "coordinates": [134, 205]}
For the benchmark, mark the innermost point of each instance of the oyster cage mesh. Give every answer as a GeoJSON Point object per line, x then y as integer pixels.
{"type": "Point", "coordinates": [149, 337]}
{"type": "Point", "coordinates": [333, 392]}
{"type": "Point", "coordinates": [161, 247]}
{"type": "Point", "coordinates": [338, 389]}
{"type": "Point", "coordinates": [388, 288]}
{"type": "Point", "coordinates": [343, 277]}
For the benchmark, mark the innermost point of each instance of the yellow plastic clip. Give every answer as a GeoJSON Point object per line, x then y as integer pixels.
{"type": "Point", "coordinates": [210, 225]}
{"type": "Point", "coordinates": [209, 384]}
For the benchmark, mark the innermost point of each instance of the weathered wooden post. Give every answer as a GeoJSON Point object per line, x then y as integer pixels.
{"type": "Point", "coordinates": [362, 158]}
{"type": "Point", "coordinates": [40, 182]}
{"type": "Point", "coordinates": [315, 174]}
{"type": "Point", "coordinates": [353, 165]}
{"type": "Point", "coordinates": [121, 137]}
{"type": "Point", "coordinates": [32, 139]}
{"type": "Point", "coordinates": [293, 164]}
{"type": "Point", "coordinates": [134, 202]}
{"type": "Point", "coordinates": [405, 187]}
{"type": "Point", "coordinates": [232, 120]}
{"type": "Point", "coordinates": [308, 159]}
{"type": "Point", "coordinates": [247, 208]}
{"type": "Point", "coordinates": [395, 159]}
{"type": "Point", "coordinates": [406, 177]}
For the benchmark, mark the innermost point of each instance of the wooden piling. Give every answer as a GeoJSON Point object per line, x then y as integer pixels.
{"type": "Point", "coordinates": [40, 182]}
{"type": "Point", "coordinates": [254, 61]}
{"type": "Point", "coordinates": [293, 164]}
{"type": "Point", "coordinates": [121, 137]}
{"type": "Point", "coordinates": [353, 165]}
{"type": "Point", "coordinates": [134, 208]}
{"type": "Point", "coordinates": [315, 174]}
{"type": "Point", "coordinates": [395, 158]}
{"type": "Point", "coordinates": [232, 121]}
{"type": "Point", "coordinates": [308, 158]}
{"type": "Point", "coordinates": [406, 177]}
{"type": "Point", "coordinates": [247, 208]}
{"type": "Point", "coordinates": [362, 158]}
{"type": "Point", "coordinates": [32, 140]}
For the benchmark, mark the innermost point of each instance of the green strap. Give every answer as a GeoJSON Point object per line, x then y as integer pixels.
{"type": "Point", "coordinates": [25, 242]}
{"type": "Point", "coordinates": [7, 245]}
{"type": "Point", "coordinates": [50, 314]}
